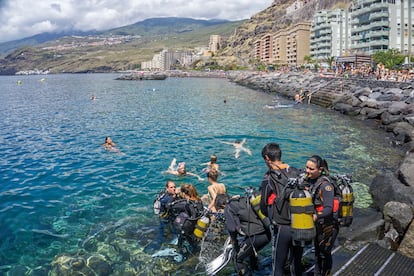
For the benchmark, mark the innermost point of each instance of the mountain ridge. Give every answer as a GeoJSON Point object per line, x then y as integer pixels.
{"type": "Point", "coordinates": [137, 28]}
{"type": "Point", "coordinates": [147, 40]}
{"type": "Point", "coordinates": [115, 49]}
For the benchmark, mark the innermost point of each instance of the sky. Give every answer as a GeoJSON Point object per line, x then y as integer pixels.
{"type": "Point", "coordinates": [24, 18]}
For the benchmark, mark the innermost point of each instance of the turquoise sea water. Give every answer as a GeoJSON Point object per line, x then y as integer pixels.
{"type": "Point", "coordinates": [58, 184]}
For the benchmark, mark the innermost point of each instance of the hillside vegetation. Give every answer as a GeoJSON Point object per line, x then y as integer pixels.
{"type": "Point", "coordinates": [126, 47]}
{"type": "Point", "coordinates": [118, 49]}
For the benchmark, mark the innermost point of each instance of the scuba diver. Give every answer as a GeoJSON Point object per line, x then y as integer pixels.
{"type": "Point", "coordinates": [248, 230]}
{"type": "Point", "coordinates": [187, 211]}
{"type": "Point", "coordinates": [164, 201]}
{"type": "Point", "coordinates": [326, 219]}
{"type": "Point", "coordinates": [274, 204]}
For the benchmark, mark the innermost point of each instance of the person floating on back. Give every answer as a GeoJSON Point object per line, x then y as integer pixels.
{"type": "Point", "coordinates": [180, 170]}
{"type": "Point", "coordinates": [238, 147]}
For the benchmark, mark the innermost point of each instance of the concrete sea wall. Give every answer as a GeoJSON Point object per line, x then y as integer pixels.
{"type": "Point", "coordinates": [391, 106]}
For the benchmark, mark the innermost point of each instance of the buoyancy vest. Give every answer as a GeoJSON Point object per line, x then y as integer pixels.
{"type": "Point", "coordinates": [275, 194]}
{"type": "Point", "coordinates": [323, 184]}
{"type": "Point", "coordinates": [186, 213]}
{"type": "Point", "coordinates": [343, 198]}
{"type": "Point", "coordinates": [240, 215]}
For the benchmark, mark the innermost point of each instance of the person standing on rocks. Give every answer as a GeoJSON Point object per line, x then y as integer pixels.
{"type": "Point", "coordinates": [274, 204]}
{"type": "Point", "coordinates": [326, 223]}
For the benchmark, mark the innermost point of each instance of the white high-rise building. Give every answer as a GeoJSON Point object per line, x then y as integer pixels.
{"type": "Point", "coordinates": [402, 26]}
{"type": "Point", "coordinates": [379, 25]}
{"type": "Point", "coordinates": [330, 34]}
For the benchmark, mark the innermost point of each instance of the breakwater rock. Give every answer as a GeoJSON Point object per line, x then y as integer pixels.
{"type": "Point", "coordinates": [143, 76]}
{"type": "Point", "coordinates": [390, 105]}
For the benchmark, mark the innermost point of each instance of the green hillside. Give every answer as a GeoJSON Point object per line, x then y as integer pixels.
{"type": "Point", "coordinates": [118, 49]}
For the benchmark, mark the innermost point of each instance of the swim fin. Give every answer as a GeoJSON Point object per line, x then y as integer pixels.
{"type": "Point", "coordinates": [213, 267]}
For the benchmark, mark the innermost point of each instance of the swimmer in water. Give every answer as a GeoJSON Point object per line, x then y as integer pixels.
{"type": "Point", "coordinates": [212, 165]}
{"type": "Point", "coordinates": [109, 144]}
{"type": "Point", "coordinates": [238, 147]}
{"type": "Point", "coordinates": [180, 170]}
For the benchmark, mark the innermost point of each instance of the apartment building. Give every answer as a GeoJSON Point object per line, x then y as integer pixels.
{"type": "Point", "coordinates": [298, 43]}
{"type": "Point", "coordinates": [288, 46]}
{"type": "Point", "coordinates": [330, 34]}
{"type": "Point", "coordinates": [263, 49]}
{"type": "Point", "coordinates": [379, 25]}
{"type": "Point", "coordinates": [167, 60]}
{"type": "Point", "coordinates": [257, 49]}
{"type": "Point", "coordinates": [215, 43]}
{"type": "Point", "coordinates": [402, 26]}
{"type": "Point", "coordinates": [279, 47]}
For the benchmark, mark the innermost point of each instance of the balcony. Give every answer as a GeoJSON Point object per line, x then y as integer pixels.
{"type": "Point", "coordinates": [363, 44]}
{"type": "Point", "coordinates": [378, 6]}
{"type": "Point", "coordinates": [381, 42]}
{"type": "Point", "coordinates": [327, 31]}
{"type": "Point", "coordinates": [381, 33]}
{"type": "Point", "coordinates": [378, 15]}
{"type": "Point", "coordinates": [360, 11]}
{"type": "Point", "coordinates": [378, 24]}
{"type": "Point", "coordinates": [361, 28]}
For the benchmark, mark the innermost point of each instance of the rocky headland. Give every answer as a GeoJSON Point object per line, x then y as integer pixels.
{"type": "Point", "coordinates": [390, 106]}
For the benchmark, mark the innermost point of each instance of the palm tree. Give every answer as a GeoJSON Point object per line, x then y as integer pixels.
{"type": "Point", "coordinates": [330, 60]}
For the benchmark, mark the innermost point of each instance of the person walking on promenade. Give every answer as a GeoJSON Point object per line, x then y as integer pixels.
{"type": "Point", "coordinates": [274, 204]}
{"type": "Point", "coordinates": [326, 221]}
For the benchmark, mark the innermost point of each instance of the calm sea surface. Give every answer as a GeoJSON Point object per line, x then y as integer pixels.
{"type": "Point", "coordinates": [58, 183]}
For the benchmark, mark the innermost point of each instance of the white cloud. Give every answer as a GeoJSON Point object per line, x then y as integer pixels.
{"type": "Point", "coordinates": [23, 18]}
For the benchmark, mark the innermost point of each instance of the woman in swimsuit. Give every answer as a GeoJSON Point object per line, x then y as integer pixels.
{"type": "Point", "coordinates": [214, 188]}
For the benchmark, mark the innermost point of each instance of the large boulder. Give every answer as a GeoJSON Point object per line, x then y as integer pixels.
{"type": "Point", "coordinates": [365, 91]}
{"type": "Point", "coordinates": [372, 113]}
{"type": "Point", "coordinates": [398, 107]}
{"type": "Point", "coordinates": [347, 109]}
{"type": "Point", "coordinates": [386, 187]}
{"type": "Point", "coordinates": [399, 215]}
{"type": "Point", "coordinates": [407, 244]}
{"type": "Point", "coordinates": [403, 131]}
{"type": "Point", "coordinates": [387, 118]}
{"type": "Point", "coordinates": [406, 170]}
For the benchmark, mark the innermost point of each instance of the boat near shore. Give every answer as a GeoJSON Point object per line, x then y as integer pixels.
{"type": "Point", "coordinates": [137, 76]}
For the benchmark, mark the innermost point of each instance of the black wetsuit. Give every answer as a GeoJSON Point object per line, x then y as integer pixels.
{"type": "Point", "coordinates": [186, 213]}
{"type": "Point", "coordinates": [275, 205]}
{"type": "Point", "coordinates": [327, 226]}
{"type": "Point", "coordinates": [243, 222]}
{"type": "Point", "coordinates": [165, 216]}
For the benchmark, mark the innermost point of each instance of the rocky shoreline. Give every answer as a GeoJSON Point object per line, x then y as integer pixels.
{"type": "Point", "coordinates": [391, 106]}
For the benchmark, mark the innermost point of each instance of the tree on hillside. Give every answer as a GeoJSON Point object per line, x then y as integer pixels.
{"type": "Point", "coordinates": [390, 58]}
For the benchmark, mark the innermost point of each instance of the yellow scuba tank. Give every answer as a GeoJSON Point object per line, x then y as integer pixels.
{"type": "Point", "coordinates": [302, 210]}
{"type": "Point", "coordinates": [201, 226]}
{"type": "Point", "coordinates": [255, 202]}
{"type": "Point", "coordinates": [346, 209]}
